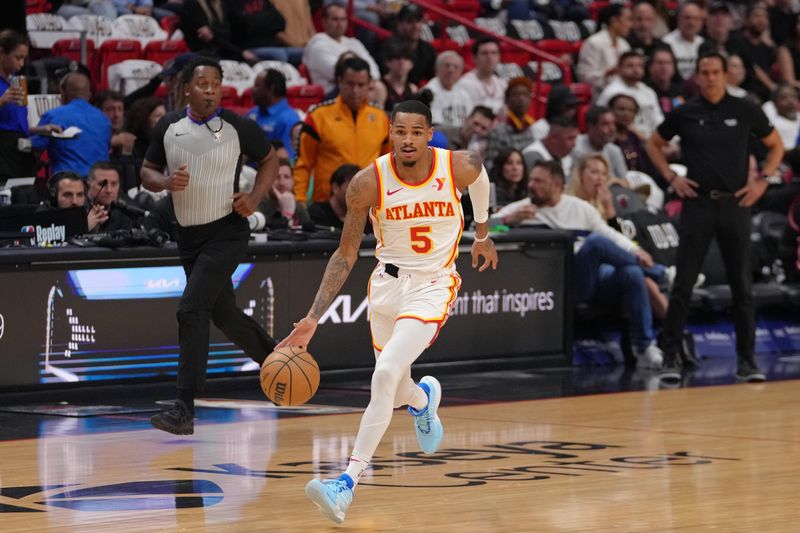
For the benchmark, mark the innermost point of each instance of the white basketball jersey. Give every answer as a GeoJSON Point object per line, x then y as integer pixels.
{"type": "Point", "coordinates": [418, 227]}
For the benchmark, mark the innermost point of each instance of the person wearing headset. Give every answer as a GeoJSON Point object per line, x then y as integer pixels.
{"type": "Point", "coordinates": [68, 189]}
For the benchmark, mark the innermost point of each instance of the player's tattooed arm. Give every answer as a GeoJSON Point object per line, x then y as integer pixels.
{"type": "Point", "coordinates": [362, 194]}
{"type": "Point", "coordinates": [467, 166]}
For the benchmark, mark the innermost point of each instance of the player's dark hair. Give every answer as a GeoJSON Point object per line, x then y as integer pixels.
{"type": "Point", "coordinates": [415, 107]}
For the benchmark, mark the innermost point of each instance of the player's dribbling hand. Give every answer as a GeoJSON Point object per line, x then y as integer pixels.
{"type": "Point", "coordinates": [684, 187]}
{"type": "Point", "coordinates": [244, 204]}
{"type": "Point", "coordinates": [301, 334]}
{"type": "Point", "coordinates": [486, 250]}
{"type": "Point", "coordinates": [178, 180]}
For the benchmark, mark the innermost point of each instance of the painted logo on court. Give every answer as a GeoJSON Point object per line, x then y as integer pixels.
{"type": "Point", "coordinates": [132, 496]}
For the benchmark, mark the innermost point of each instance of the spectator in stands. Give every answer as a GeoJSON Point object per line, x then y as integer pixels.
{"type": "Point", "coordinates": [451, 104]}
{"type": "Point", "coordinates": [70, 8]}
{"type": "Point", "coordinates": [272, 111]}
{"type": "Point", "coordinates": [556, 146]}
{"type": "Point", "coordinates": [685, 41]}
{"type": "Point", "coordinates": [136, 7]}
{"type": "Point", "coordinates": [608, 267]}
{"type": "Point", "coordinates": [280, 209]}
{"type": "Point", "coordinates": [110, 102]}
{"type": "Point", "coordinates": [781, 20]}
{"type": "Point", "coordinates": [207, 27]}
{"type": "Point", "coordinates": [760, 50]}
{"type": "Point", "coordinates": [599, 56]}
{"type": "Point", "coordinates": [299, 26]}
{"type": "Point", "coordinates": [643, 26]}
{"type": "Point", "coordinates": [257, 26]}
{"type": "Point", "coordinates": [68, 189]}
{"type": "Point", "coordinates": [737, 73]}
{"type": "Point", "coordinates": [481, 83]}
{"type": "Point", "coordinates": [78, 153]}
{"type": "Point", "coordinates": [718, 34]}
{"type": "Point", "coordinates": [629, 81]}
{"type": "Point", "coordinates": [509, 175]}
{"type": "Point", "coordinates": [562, 10]}
{"type": "Point", "coordinates": [601, 129]}
{"type": "Point", "coordinates": [104, 190]}
{"type": "Point", "coordinates": [662, 78]}
{"type": "Point", "coordinates": [346, 129]}
{"type": "Point", "coordinates": [14, 163]}
{"type": "Point", "coordinates": [517, 129]}
{"type": "Point", "coordinates": [140, 120]}
{"type": "Point", "coordinates": [325, 48]}
{"type": "Point", "coordinates": [629, 141]}
{"type": "Point", "coordinates": [474, 132]}
{"type": "Point", "coordinates": [789, 55]}
{"type": "Point", "coordinates": [590, 182]}
{"type": "Point", "coordinates": [331, 213]}
{"type": "Point", "coordinates": [407, 32]}
{"type": "Point", "coordinates": [561, 102]}
{"type": "Point", "coordinates": [781, 110]}
{"type": "Point", "coordinates": [398, 64]}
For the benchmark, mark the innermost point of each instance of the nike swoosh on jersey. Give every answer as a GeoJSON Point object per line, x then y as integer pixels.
{"type": "Point", "coordinates": [389, 193]}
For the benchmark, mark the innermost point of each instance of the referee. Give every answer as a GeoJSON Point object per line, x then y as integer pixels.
{"type": "Point", "coordinates": [202, 148]}
{"type": "Point", "coordinates": [715, 130]}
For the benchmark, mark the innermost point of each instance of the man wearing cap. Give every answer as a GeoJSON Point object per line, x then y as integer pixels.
{"type": "Point", "coordinates": [407, 33]}
{"type": "Point", "coordinates": [517, 131]}
{"type": "Point", "coordinates": [323, 49]}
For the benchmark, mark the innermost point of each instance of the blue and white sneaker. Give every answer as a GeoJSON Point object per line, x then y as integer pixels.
{"type": "Point", "coordinates": [427, 424]}
{"type": "Point", "coordinates": [332, 496]}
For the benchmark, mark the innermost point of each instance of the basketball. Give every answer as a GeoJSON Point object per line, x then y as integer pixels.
{"type": "Point", "coordinates": [289, 376]}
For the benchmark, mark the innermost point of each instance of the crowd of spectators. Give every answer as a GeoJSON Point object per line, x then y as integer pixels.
{"type": "Point", "coordinates": [635, 63]}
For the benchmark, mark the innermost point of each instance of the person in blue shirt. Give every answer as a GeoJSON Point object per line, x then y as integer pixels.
{"type": "Point", "coordinates": [272, 111]}
{"type": "Point", "coordinates": [13, 111]}
{"type": "Point", "coordinates": [79, 153]}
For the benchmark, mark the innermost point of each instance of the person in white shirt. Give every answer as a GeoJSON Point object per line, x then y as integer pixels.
{"type": "Point", "coordinates": [601, 129]}
{"type": "Point", "coordinates": [556, 146]}
{"type": "Point", "coordinates": [685, 41]}
{"type": "Point", "coordinates": [323, 49]}
{"type": "Point", "coordinates": [599, 55]}
{"type": "Point", "coordinates": [451, 104]}
{"type": "Point", "coordinates": [481, 83]}
{"type": "Point", "coordinates": [608, 267]}
{"type": "Point", "coordinates": [781, 110]}
{"type": "Point", "coordinates": [629, 81]}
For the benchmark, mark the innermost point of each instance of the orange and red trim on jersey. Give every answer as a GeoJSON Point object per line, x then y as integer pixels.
{"type": "Point", "coordinates": [434, 166]}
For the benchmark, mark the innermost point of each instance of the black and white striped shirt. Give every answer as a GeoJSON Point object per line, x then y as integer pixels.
{"type": "Point", "coordinates": [213, 151]}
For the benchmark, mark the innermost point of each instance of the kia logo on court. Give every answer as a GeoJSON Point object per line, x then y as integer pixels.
{"type": "Point", "coordinates": [131, 496]}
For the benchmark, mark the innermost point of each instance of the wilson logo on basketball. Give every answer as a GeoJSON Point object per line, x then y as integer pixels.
{"type": "Point", "coordinates": [280, 390]}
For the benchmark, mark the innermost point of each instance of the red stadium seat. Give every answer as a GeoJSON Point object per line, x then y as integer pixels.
{"type": "Point", "coordinates": [246, 99]}
{"type": "Point", "coordinates": [37, 6]}
{"type": "Point", "coordinates": [163, 51]}
{"type": "Point", "coordinates": [71, 49]}
{"type": "Point", "coordinates": [512, 54]}
{"type": "Point", "coordinates": [111, 52]}
{"type": "Point", "coordinates": [170, 24]}
{"type": "Point", "coordinates": [596, 7]}
{"type": "Point", "coordinates": [582, 91]}
{"type": "Point", "coordinates": [303, 69]}
{"type": "Point", "coordinates": [445, 44]}
{"type": "Point", "coordinates": [304, 96]}
{"type": "Point", "coordinates": [557, 47]}
{"type": "Point", "coordinates": [469, 9]}
{"type": "Point", "coordinates": [230, 97]}
{"type": "Point", "coordinates": [538, 104]}
{"type": "Point", "coordinates": [162, 92]}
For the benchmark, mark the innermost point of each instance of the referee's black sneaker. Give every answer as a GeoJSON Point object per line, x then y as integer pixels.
{"type": "Point", "coordinates": [747, 371]}
{"type": "Point", "coordinates": [671, 368]}
{"type": "Point", "coordinates": [177, 420]}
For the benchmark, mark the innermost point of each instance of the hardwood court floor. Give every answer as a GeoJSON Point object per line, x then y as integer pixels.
{"type": "Point", "coordinates": [724, 458]}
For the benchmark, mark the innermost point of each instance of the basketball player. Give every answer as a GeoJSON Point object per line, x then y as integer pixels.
{"type": "Point", "coordinates": [412, 197]}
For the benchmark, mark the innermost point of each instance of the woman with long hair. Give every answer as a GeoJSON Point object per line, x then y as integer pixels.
{"type": "Point", "coordinates": [140, 120]}
{"type": "Point", "coordinates": [509, 175]}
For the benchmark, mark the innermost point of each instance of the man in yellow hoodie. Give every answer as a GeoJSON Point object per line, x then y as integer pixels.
{"type": "Point", "coordinates": [346, 129]}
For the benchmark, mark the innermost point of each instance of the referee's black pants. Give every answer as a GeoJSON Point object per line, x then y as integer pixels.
{"type": "Point", "coordinates": [209, 254]}
{"type": "Point", "coordinates": [702, 219]}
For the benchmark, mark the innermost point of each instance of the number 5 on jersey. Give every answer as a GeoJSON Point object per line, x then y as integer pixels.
{"type": "Point", "coordinates": [420, 240]}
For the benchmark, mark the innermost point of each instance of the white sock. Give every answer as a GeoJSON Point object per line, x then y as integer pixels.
{"type": "Point", "coordinates": [356, 468]}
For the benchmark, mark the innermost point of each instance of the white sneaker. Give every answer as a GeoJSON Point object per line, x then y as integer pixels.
{"type": "Point", "coordinates": [672, 271]}
{"type": "Point", "coordinates": [650, 357]}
